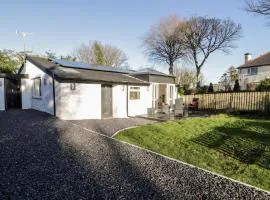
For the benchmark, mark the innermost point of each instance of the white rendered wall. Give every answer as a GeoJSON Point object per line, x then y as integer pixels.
{"type": "Point", "coordinates": [119, 101]}
{"type": "Point", "coordinates": [26, 93]}
{"type": "Point", "coordinates": [140, 106]}
{"type": "Point", "coordinates": [82, 103]}
{"type": "Point", "coordinates": [2, 94]}
{"type": "Point", "coordinates": [45, 102]}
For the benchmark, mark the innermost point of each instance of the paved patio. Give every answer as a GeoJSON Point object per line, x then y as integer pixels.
{"type": "Point", "coordinates": [42, 157]}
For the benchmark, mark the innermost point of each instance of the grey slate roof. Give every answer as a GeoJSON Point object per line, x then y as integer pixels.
{"type": "Point", "coordinates": [259, 61]}
{"type": "Point", "coordinates": [71, 74]}
{"type": "Point", "coordinates": [81, 65]}
{"type": "Point", "coordinates": [149, 71]}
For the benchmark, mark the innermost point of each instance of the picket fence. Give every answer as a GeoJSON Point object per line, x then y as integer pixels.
{"type": "Point", "coordinates": [236, 101]}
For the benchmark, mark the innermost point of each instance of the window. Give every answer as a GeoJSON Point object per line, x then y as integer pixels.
{"type": "Point", "coordinates": [155, 95]}
{"type": "Point", "coordinates": [44, 81]}
{"type": "Point", "coordinates": [134, 93]}
{"type": "Point", "coordinates": [171, 92]}
{"type": "Point", "coordinates": [252, 71]}
{"type": "Point", "coordinates": [37, 87]}
{"type": "Point", "coordinates": [72, 86]}
{"type": "Point", "coordinates": [241, 71]}
{"type": "Point", "coordinates": [171, 95]}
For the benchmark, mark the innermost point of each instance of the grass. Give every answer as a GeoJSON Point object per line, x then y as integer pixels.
{"type": "Point", "coordinates": [236, 147]}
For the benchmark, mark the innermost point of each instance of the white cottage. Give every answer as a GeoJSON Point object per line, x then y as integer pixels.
{"type": "Point", "coordinates": [74, 90]}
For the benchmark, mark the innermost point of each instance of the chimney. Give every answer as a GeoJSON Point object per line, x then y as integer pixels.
{"type": "Point", "coordinates": [247, 57]}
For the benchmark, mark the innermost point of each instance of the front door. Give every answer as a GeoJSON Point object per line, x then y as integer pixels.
{"type": "Point", "coordinates": [106, 101]}
{"type": "Point", "coordinates": [155, 96]}
{"type": "Point", "coordinates": [13, 93]}
{"type": "Point", "coordinates": [162, 94]}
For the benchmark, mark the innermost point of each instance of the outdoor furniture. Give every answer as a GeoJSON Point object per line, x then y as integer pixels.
{"type": "Point", "coordinates": [165, 108]}
{"type": "Point", "coordinates": [194, 106]}
{"type": "Point", "coordinates": [179, 107]}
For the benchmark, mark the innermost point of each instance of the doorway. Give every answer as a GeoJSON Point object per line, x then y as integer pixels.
{"type": "Point", "coordinates": [106, 101]}
{"type": "Point", "coordinates": [13, 94]}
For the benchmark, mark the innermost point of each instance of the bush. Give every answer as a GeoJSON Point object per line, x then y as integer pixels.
{"type": "Point", "coordinates": [181, 91]}
{"type": "Point", "coordinates": [211, 88]}
{"type": "Point", "coordinates": [236, 87]}
{"type": "Point", "coordinates": [203, 89]}
{"type": "Point", "coordinates": [264, 85]}
{"type": "Point", "coordinates": [7, 62]}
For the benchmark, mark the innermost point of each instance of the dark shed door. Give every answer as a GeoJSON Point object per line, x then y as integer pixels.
{"type": "Point", "coordinates": [106, 101]}
{"type": "Point", "coordinates": [13, 93]}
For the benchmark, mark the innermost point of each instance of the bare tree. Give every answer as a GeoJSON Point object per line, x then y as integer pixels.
{"type": "Point", "coordinates": [84, 53]}
{"type": "Point", "coordinates": [114, 56]}
{"type": "Point", "coordinates": [203, 36]}
{"type": "Point", "coordinates": [101, 54]}
{"type": "Point", "coordinates": [50, 54]}
{"type": "Point", "coordinates": [68, 57]}
{"type": "Point", "coordinates": [261, 7]}
{"type": "Point", "coordinates": [224, 82]}
{"type": "Point", "coordinates": [185, 76]}
{"type": "Point", "coordinates": [163, 43]}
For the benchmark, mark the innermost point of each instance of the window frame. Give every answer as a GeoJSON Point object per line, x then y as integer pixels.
{"type": "Point", "coordinates": [34, 95]}
{"type": "Point", "coordinates": [135, 90]}
{"type": "Point", "coordinates": [171, 92]}
{"type": "Point", "coordinates": [252, 71]}
{"type": "Point", "coordinates": [171, 95]}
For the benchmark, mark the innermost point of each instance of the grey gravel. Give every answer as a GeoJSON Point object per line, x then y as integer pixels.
{"type": "Point", "coordinates": [111, 126]}
{"type": "Point", "coordinates": [42, 157]}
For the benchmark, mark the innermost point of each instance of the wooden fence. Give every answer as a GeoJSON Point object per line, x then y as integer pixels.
{"type": "Point", "coordinates": [237, 101]}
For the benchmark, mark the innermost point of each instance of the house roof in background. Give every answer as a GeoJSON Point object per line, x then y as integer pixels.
{"type": "Point", "coordinates": [64, 73]}
{"type": "Point", "coordinates": [259, 61]}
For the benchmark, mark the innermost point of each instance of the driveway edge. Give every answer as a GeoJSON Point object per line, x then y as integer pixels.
{"type": "Point", "coordinates": [175, 160]}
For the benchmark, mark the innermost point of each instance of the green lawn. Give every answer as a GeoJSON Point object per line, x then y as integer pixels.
{"type": "Point", "coordinates": [232, 146]}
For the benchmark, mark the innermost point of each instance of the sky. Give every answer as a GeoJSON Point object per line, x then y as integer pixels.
{"type": "Point", "coordinates": [60, 26]}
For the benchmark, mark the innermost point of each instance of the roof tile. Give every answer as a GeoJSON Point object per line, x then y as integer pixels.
{"type": "Point", "coordinates": [259, 61]}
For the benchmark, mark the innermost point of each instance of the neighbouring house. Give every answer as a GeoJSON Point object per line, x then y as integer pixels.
{"type": "Point", "coordinates": [253, 71]}
{"type": "Point", "coordinates": [74, 90]}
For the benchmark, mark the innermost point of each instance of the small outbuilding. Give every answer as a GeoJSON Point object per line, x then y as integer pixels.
{"type": "Point", "coordinates": [75, 90]}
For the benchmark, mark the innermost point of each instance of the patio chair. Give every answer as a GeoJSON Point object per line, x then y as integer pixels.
{"type": "Point", "coordinates": [179, 107]}
{"type": "Point", "coordinates": [165, 108]}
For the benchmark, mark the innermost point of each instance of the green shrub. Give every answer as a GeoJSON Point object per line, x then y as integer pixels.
{"type": "Point", "coordinates": [264, 85]}
{"type": "Point", "coordinates": [236, 87]}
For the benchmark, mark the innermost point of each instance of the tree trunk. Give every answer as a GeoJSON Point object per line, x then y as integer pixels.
{"type": "Point", "coordinates": [171, 69]}
{"type": "Point", "coordinates": [198, 85]}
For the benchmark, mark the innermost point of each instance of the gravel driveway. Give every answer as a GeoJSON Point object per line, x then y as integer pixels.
{"type": "Point", "coordinates": [45, 158]}
{"type": "Point", "coordinates": [111, 126]}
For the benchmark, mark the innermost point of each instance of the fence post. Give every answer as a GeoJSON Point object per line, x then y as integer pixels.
{"type": "Point", "coordinates": [231, 99]}
{"type": "Point", "coordinates": [215, 102]}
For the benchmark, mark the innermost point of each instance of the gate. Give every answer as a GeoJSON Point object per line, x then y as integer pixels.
{"type": "Point", "coordinates": [13, 93]}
